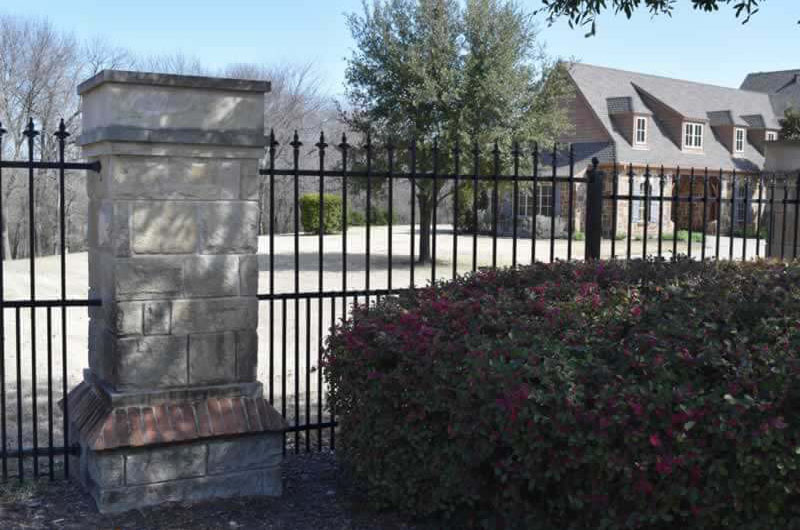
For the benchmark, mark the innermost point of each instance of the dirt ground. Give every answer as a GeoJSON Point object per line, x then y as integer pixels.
{"type": "Point", "coordinates": [317, 496]}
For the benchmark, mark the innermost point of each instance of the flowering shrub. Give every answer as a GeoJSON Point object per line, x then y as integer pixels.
{"type": "Point", "coordinates": [575, 396]}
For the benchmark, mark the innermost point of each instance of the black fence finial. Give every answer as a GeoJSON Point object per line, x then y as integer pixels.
{"type": "Point", "coordinates": [30, 131]}
{"type": "Point", "coordinates": [62, 132]}
{"type": "Point", "coordinates": [296, 143]}
{"type": "Point", "coordinates": [321, 144]}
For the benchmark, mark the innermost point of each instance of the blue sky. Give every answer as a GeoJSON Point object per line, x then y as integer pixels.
{"type": "Point", "coordinates": [712, 48]}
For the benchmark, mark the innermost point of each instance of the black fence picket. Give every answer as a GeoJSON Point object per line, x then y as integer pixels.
{"type": "Point", "coordinates": [29, 458]}
{"type": "Point", "coordinates": [687, 211]}
{"type": "Point", "coordinates": [513, 196]}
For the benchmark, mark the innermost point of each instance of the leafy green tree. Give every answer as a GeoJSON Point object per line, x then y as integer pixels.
{"type": "Point", "coordinates": [437, 71]}
{"type": "Point", "coordinates": [585, 12]}
{"type": "Point", "coordinates": [790, 124]}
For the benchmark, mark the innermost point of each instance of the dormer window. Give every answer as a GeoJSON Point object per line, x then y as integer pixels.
{"type": "Point", "coordinates": [738, 141]}
{"type": "Point", "coordinates": [693, 135]}
{"type": "Point", "coordinates": [641, 131]}
{"type": "Point", "coordinates": [772, 136]}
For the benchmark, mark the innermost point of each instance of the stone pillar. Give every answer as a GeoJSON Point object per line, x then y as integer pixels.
{"type": "Point", "coordinates": [170, 408]}
{"type": "Point", "coordinates": [782, 159]}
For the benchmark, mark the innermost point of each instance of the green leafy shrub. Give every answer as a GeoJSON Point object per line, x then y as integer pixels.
{"type": "Point", "coordinates": [466, 213]}
{"type": "Point", "coordinates": [640, 395]}
{"type": "Point", "coordinates": [683, 236]}
{"type": "Point", "coordinates": [378, 216]}
{"type": "Point", "coordinates": [332, 212]}
{"type": "Point", "coordinates": [762, 232]}
{"type": "Point", "coordinates": [356, 218]}
{"type": "Point", "coordinates": [579, 236]}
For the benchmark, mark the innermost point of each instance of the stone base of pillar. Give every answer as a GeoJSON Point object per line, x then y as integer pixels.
{"type": "Point", "coordinates": [180, 445]}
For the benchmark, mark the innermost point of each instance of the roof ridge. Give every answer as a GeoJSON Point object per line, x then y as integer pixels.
{"type": "Point", "coordinates": [775, 72]}
{"type": "Point", "coordinates": [665, 77]}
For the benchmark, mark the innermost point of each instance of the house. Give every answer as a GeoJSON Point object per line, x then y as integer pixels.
{"type": "Point", "coordinates": [783, 88]}
{"type": "Point", "coordinates": [633, 122]}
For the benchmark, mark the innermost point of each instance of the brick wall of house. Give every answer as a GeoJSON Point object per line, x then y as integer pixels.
{"type": "Point", "coordinates": [725, 135]}
{"type": "Point", "coordinates": [587, 127]}
{"type": "Point", "coordinates": [757, 138]}
{"type": "Point", "coordinates": [624, 125]}
{"type": "Point", "coordinates": [638, 224]}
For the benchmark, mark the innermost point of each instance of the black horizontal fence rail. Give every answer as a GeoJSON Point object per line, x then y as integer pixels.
{"type": "Point", "coordinates": [20, 424]}
{"type": "Point", "coordinates": [304, 301]}
{"type": "Point", "coordinates": [493, 198]}
{"type": "Point", "coordinates": [695, 213]}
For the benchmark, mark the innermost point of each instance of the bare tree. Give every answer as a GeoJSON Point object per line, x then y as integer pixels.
{"type": "Point", "coordinates": [40, 68]}
{"type": "Point", "coordinates": [172, 63]}
{"type": "Point", "coordinates": [100, 54]}
{"type": "Point", "coordinates": [297, 102]}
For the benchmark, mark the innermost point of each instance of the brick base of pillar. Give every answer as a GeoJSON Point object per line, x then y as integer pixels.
{"type": "Point", "coordinates": [178, 446]}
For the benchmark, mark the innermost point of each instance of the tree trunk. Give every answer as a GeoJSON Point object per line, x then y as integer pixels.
{"type": "Point", "coordinates": [425, 213]}
{"type": "Point", "coordinates": [6, 238]}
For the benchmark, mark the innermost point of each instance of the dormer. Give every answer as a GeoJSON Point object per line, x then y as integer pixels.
{"type": "Point", "coordinates": [670, 121]}
{"type": "Point", "coordinates": [631, 122]}
{"type": "Point", "coordinates": [758, 133]}
{"type": "Point", "coordinates": [730, 130]}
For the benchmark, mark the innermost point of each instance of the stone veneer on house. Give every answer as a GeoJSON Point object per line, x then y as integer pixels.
{"type": "Point", "coordinates": [170, 408]}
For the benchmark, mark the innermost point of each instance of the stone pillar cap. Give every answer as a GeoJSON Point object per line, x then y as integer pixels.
{"type": "Point", "coordinates": [172, 80]}
{"type": "Point", "coordinates": [145, 107]}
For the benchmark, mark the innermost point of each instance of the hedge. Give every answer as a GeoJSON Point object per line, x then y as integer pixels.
{"type": "Point", "coordinates": [332, 212]}
{"type": "Point", "coordinates": [641, 395]}
{"type": "Point", "coordinates": [379, 216]}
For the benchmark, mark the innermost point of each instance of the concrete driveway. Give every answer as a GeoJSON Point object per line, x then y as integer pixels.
{"type": "Point", "coordinates": [297, 339]}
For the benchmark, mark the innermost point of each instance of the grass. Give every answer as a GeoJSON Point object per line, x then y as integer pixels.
{"type": "Point", "coordinates": [683, 236]}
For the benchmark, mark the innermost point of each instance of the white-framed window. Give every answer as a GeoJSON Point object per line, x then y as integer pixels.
{"type": "Point", "coordinates": [545, 200]}
{"type": "Point", "coordinates": [641, 210]}
{"type": "Point", "coordinates": [772, 136]}
{"type": "Point", "coordinates": [740, 212]}
{"type": "Point", "coordinates": [526, 205]}
{"type": "Point", "coordinates": [738, 140]}
{"type": "Point", "coordinates": [543, 204]}
{"type": "Point", "coordinates": [641, 130]}
{"type": "Point", "coordinates": [693, 135]}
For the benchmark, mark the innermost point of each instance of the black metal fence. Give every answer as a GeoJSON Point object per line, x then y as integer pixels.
{"type": "Point", "coordinates": [463, 208]}
{"type": "Point", "coordinates": [26, 439]}
{"type": "Point", "coordinates": [663, 213]}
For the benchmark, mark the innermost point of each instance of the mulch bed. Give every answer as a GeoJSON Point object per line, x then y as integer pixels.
{"type": "Point", "coordinates": [317, 495]}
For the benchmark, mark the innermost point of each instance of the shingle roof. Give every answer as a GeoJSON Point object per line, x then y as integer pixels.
{"type": "Point", "coordinates": [725, 117]}
{"type": "Point", "coordinates": [783, 88]}
{"type": "Point", "coordinates": [626, 104]}
{"type": "Point", "coordinates": [755, 120]}
{"type": "Point", "coordinates": [770, 82]}
{"type": "Point", "coordinates": [583, 154]}
{"type": "Point", "coordinates": [692, 100]}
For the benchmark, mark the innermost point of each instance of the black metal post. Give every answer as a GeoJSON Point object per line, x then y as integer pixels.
{"type": "Point", "coordinates": [594, 212]}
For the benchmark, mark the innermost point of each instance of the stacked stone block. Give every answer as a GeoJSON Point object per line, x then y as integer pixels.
{"type": "Point", "coordinates": [173, 348]}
